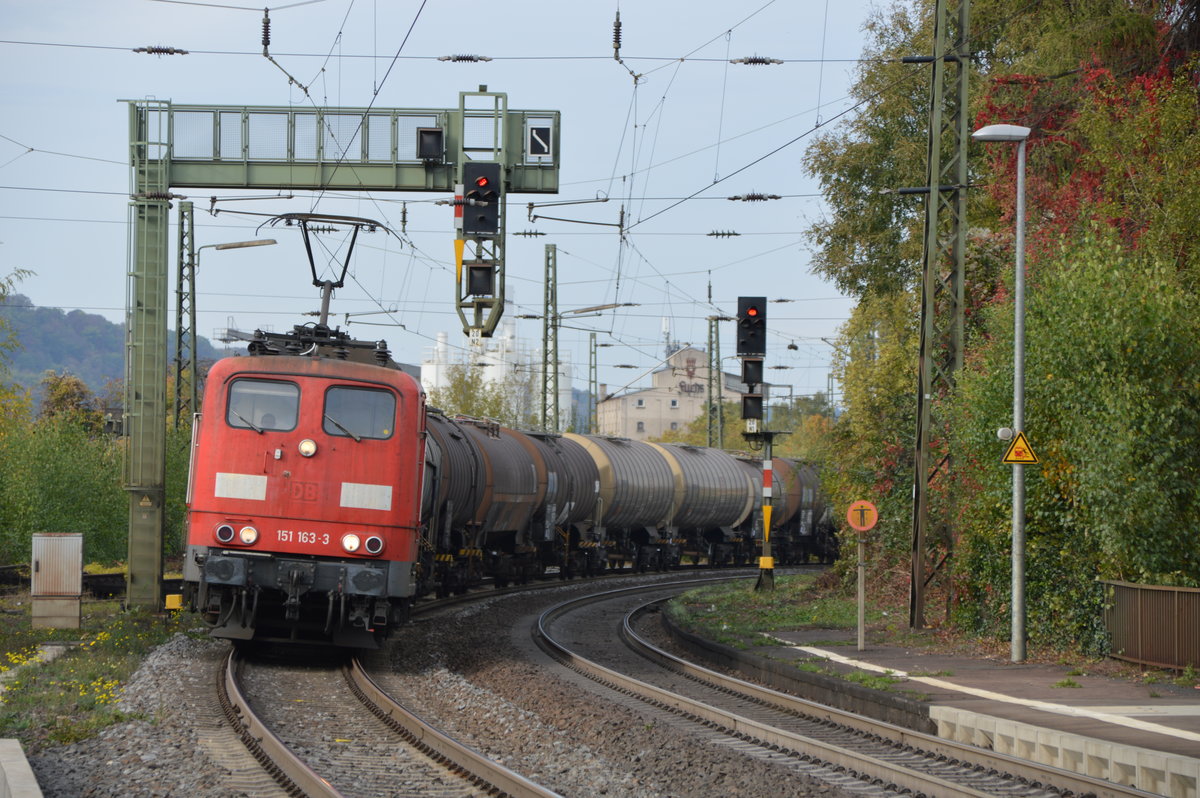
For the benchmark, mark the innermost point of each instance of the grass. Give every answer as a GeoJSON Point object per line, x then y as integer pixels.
{"type": "Point", "coordinates": [75, 695]}
{"type": "Point", "coordinates": [737, 615]}
{"type": "Point", "coordinates": [875, 681]}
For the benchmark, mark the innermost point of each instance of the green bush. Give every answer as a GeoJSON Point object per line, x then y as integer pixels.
{"type": "Point", "coordinates": [1111, 380]}
{"type": "Point", "coordinates": [56, 476]}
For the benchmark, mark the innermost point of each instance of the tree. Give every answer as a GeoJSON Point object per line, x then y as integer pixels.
{"type": "Point", "coordinates": [467, 393]}
{"type": "Point", "coordinates": [66, 396]}
{"type": "Point", "coordinates": [1109, 89]}
{"type": "Point", "coordinates": [1112, 376]}
{"type": "Point", "coordinates": [57, 476]}
{"type": "Point", "coordinates": [870, 451]}
{"type": "Point", "coordinates": [871, 242]}
{"type": "Point", "coordinates": [1141, 140]}
{"type": "Point", "coordinates": [13, 400]}
{"type": "Point", "coordinates": [695, 432]}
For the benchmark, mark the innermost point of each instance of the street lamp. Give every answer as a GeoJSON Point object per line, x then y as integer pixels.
{"type": "Point", "coordinates": [1018, 134]}
{"type": "Point", "coordinates": [185, 334]}
{"type": "Point", "coordinates": [594, 397]}
{"type": "Point", "coordinates": [552, 321]}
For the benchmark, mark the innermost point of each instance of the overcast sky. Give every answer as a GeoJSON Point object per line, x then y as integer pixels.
{"type": "Point", "coordinates": [690, 123]}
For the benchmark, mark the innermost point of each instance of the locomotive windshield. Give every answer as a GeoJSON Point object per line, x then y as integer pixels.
{"type": "Point", "coordinates": [263, 404]}
{"type": "Point", "coordinates": [360, 412]}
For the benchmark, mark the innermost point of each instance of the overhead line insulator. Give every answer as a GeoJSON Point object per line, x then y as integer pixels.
{"type": "Point", "coordinates": [159, 50]}
{"type": "Point", "coordinates": [617, 37]}
{"type": "Point", "coordinates": [464, 58]}
{"type": "Point", "coordinates": [755, 196]}
{"type": "Point", "coordinates": [722, 234]}
{"type": "Point", "coordinates": [755, 60]}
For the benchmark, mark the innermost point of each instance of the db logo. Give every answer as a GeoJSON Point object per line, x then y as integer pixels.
{"type": "Point", "coordinates": [304, 491]}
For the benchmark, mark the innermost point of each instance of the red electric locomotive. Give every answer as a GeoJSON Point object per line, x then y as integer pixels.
{"type": "Point", "coordinates": [305, 492]}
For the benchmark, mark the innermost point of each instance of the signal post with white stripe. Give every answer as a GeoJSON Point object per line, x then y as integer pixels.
{"type": "Point", "coordinates": [751, 348]}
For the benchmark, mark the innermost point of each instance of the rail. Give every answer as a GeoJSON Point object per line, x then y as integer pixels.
{"type": "Point", "coordinates": [288, 770]}
{"type": "Point", "coordinates": [494, 777]}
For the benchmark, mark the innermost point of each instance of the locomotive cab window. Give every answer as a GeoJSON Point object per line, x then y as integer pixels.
{"type": "Point", "coordinates": [360, 413]}
{"type": "Point", "coordinates": [263, 405]}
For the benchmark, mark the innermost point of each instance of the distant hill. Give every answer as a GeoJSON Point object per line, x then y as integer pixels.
{"type": "Point", "coordinates": [84, 344]}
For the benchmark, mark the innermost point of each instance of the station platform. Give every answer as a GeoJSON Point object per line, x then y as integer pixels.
{"type": "Point", "coordinates": [1130, 731]}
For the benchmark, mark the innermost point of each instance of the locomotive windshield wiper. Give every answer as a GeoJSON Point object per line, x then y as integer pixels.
{"type": "Point", "coordinates": [247, 422]}
{"type": "Point", "coordinates": [335, 423]}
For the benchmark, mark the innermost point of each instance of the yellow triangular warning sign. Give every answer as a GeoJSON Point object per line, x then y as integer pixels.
{"type": "Point", "coordinates": [1019, 451]}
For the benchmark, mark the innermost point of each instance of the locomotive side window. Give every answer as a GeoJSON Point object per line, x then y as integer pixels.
{"type": "Point", "coordinates": [263, 404]}
{"type": "Point", "coordinates": [360, 412]}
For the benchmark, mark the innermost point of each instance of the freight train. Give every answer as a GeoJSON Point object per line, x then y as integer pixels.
{"type": "Point", "coordinates": [324, 497]}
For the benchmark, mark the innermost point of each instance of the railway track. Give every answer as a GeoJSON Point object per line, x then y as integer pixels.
{"type": "Point", "coordinates": [328, 730]}
{"type": "Point", "coordinates": [855, 753]}
{"type": "Point", "coordinates": [274, 713]}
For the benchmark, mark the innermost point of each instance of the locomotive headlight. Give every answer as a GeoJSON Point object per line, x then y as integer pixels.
{"type": "Point", "coordinates": [307, 447]}
{"type": "Point", "coordinates": [225, 533]}
{"type": "Point", "coordinates": [374, 544]}
{"type": "Point", "coordinates": [351, 542]}
{"type": "Point", "coordinates": [248, 535]}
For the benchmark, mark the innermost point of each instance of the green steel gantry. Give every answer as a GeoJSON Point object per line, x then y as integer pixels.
{"type": "Point", "coordinates": [273, 148]}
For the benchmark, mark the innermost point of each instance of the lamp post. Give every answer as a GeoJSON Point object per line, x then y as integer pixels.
{"type": "Point", "coordinates": [1018, 134]}
{"type": "Point", "coordinates": [190, 324]}
{"type": "Point", "coordinates": [552, 321]}
{"type": "Point", "coordinates": [594, 397]}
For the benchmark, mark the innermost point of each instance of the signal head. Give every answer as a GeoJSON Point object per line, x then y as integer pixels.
{"type": "Point", "coordinates": [752, 325]}
{"type": "Point", "coordinates": [484, 195]}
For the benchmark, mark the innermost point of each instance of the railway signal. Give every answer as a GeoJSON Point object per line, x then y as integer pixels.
{"type": "Point", "coordinates": [752, 325]}
{"type": "Point", "coordinates": [752, 376]}
{"type": "Point", "coordinates": [483, 186]}
{"type": "Point", "coordinates": [752, 371]}
{"type": "Point", "coordinates": [751, 346]}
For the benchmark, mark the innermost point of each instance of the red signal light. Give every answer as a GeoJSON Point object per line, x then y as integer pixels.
{"type": "Point", "coordinates": [752, 326]}
{"type": "Point", "coordinates": [481, 181]}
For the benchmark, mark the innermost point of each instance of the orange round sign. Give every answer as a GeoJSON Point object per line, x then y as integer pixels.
{"type": "Point", "coordinates": [862, 515]}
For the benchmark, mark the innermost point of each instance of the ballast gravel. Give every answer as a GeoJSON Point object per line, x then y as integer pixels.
{"type": "Point", "coordinates": [160, 755]}
{"type": "Point", "coordinates": [472, 672]}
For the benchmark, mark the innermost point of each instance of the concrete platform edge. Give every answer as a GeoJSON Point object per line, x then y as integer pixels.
{"type": "Point", "coordinates": [1162, 773]}
{"type": "Point", "coordinates": [16, 777]}
{"type": "Point", "coordinates": [1152, 771]}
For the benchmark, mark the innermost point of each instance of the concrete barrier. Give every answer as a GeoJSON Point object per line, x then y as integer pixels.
{"type": "Point", "coordinates": [1153, 771]}
{"type": "Point", "coordinates": [16, 777]}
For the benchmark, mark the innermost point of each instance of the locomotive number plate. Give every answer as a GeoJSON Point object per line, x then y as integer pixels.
{"type": "Point", "coordinates": [300, 536]}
